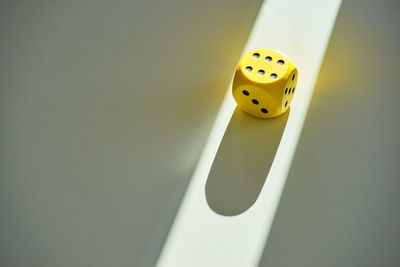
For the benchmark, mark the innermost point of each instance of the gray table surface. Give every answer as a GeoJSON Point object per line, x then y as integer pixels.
{"type": "Point", "coordinates": [105, 107]}
{"type": "Point", "coordinates": [340, 206]}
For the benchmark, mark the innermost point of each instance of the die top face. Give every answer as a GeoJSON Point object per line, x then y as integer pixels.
{"type": "Point", "coordinates": [264, 66]}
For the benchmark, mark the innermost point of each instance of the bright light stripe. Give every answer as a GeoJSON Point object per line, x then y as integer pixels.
{"type": "Point", "coordinates": [199, 236]}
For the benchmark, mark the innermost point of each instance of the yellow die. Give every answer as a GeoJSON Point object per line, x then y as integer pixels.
{"type": "Point", "coordinates": [264, 83]}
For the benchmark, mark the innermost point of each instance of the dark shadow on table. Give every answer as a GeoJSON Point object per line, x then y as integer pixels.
{"type": "Point", "coordinates": [242, 162]}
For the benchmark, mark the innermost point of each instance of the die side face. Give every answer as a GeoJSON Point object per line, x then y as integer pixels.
{"type": "Point", "coordinates": [288, 93]}
{"type": "Point", "coordinates": [260, 83]}
{"type": "Point", "coordinates": [256, 101]}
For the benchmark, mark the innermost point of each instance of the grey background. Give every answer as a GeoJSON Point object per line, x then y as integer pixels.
{"type": "Point", "coordinates": [340, 206]}
{"type": "Point", "coordinates": [104, 109]}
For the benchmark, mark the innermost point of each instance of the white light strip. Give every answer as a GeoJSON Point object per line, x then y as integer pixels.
{"type": "Point", "coordinates": [199, 236]}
